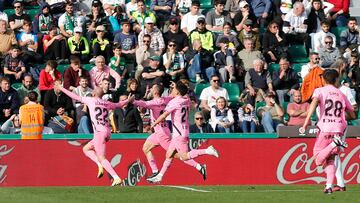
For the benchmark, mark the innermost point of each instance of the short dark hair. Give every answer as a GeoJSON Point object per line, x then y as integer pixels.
{"type": "Point", "coordinates": [330, 76]}
{"type": "Point", "coordinates": [325, 22]}
{"type": "Point", "coordinates": [147, 35]}
{"type": "Point", "coordinates": [352, 19]}
{"type": "Point", "coordinates": [4, 79]}
{"type": "Point", "coordinates": [182, 88]}
{"type": "Point", "coordinates": [33, 96]}
{"type": "Point", "coordinates": [69, 3]}
{"type": "Point", "coordinates": [52, 63]}
{"type": "Point", "coordinates": [195, 3]}
{"type": "Point", "coordinates": [15, 46]}
{"type": "Point", "coordinates": [160, 88]}
{"type": "Point", "coordinates": [117, 46]}
{"type": "Point", "coordinates": [74, 59]}
{"type": "Point", "coordinates": [313, 53]}
{"type": "Point", "coordinates": [217, 2]}
{"type": "Point", "coordinates": [215, 75]}
{"type": "Point", "coordinates": [84, 77]}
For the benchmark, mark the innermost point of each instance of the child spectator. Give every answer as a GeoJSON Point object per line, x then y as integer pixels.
{"type": "Point", "coordinates": [247, 118]}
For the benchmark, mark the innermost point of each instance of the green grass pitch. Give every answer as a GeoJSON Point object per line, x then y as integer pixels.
{"type": "Point", "coordinates": [189, 194]}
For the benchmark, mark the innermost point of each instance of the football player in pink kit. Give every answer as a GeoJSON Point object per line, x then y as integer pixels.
{"type": "Point", "coordinates": [178, 107]}
{"type": "Point", "coordinates": [332, 124]}
{"type": "Point", "coordinates": [95, 149]}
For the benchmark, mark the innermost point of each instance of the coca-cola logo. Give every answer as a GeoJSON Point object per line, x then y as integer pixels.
{"type": "Point", "coordinates": [4, 150]}
{"type": "Point", "coordinates": [298, 166]}
{"type": "Point", "coordinates": [196, 143]}
{"type": "Point", "coordinates": [136, 171]}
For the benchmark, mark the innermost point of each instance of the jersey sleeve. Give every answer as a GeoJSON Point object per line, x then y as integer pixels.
{"type": "Point", "coordinates": [316, 94]}
{"type": "Point", "coordinates": [348, 106]}
{"type": "Point", "coordinates": [73, 95]}
{"type": "Point", "coordinates": [171, 106]}
{"type": "Point", "coordinates": [120, 104]}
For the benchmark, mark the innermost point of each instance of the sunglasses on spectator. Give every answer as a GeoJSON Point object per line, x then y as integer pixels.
{"type": "Point", "coordinates": [146, 41]}
{"type": "Point", "coordinates": [317, 58]}
{"type": "Point", "coordinates": [329, 42]}
{"type": "Point", "coordinates": [172, 45]}
{"type": "Point", "coordinates": [215, 80]}
{"type": "Point", "coordinates": [199, 118]}
{"type": "Point", "coordinates": [17, 6]}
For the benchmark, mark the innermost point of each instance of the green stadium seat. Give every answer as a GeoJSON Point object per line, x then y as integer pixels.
{"type": "Point", "coordinates": [9, 11]}
{"type": "Point", "coordinates": [286, 115]}
{"type": "Point", "coordinates": [337, 32]}
{"type": "Point", "coordinates": [233, 91]}
{"type": "Point", "coordinates": [297, 67]}
{"type": "Point", "coordinates": [259, 104]}
{"type": "Point", "coordinates": [16, 86]}
{"type": "Point", "coordinates": [32, 13]}
{"type": "Point", "coordinates": [273, 67]}
{"type": "Point", "coordinates": [206, 4]}
{"type": "Point", "coordinates": [298, 54]}
{"type": "Point", "coordinates": [88, 67]}
{"type": "Point", "coordinates": [199, 88]}
{"type": "Point", "coordinates": [62, 68]}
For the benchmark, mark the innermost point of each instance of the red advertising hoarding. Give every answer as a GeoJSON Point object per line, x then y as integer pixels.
{"type": "Point", "coordinates": [242, 161]}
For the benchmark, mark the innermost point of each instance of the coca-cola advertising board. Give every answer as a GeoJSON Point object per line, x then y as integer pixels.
{"type": "Point", "coordinates": [241, 161]}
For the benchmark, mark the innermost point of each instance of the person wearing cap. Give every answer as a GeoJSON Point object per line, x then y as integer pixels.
{"type": "Point", "coordinates": [127, 40]}
{"type": "Point", "coordinates": [94, 19]}
{"type": "Point", "coordinates": [66, 22]}
{"type": "Point", "coordinates": [163, 10]}
{"type": "Point", "coordinates": [17, 19]}
{"type": "Point", "coordinates": [206, 36]}
{"type": "Point", "coordinates": [139, 16]}
{"type": "Point", "coordinates": [29, 43]}
{"type": "Point", "coordinates": [157, 40]}
{"type": "Point", "coordinates": [224, 62]}
{"type": "Point", "coordinates": [216, 18]}
{"type": "Point", "coordinates": [79, 46]}
{"type": "Point", "coordinates": [248, 32]}
{"type": "Point", "coordinates": [271, 114]}
{"type": "Point", "coordinates": [143, 54]}
{"type": "Point", "coordinates": [189, 20]}
{"type": "Point", "coordinates": [174, 33]}
{"type": "Point", "coordinates": [244, 14]}
{"type": "Point", "coordinates": [233, 42]}
{"type": "Point", "coordinates": [43, 21]}
{"type": "Point", "coordinates": [261, 9]}
{"type": "Point", "coordinates": [153, 74]}
{"type": "Point", "coordinates": [100, 45]}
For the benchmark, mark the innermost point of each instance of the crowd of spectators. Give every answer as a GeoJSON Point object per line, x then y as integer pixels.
{"type": "Point", "coordinates": [132, 45]}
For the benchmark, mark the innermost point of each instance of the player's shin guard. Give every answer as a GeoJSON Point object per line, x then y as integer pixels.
{"type": "Point", "coordinates": [152, 163]}
{"type": "Point", "coordinates": [330, 172]}
{"type": "Point", "coordinates": [196, 152]}
{"type": "Point", "coordinates": [165, 166]}
{"type": "Point", "coordinates": [106, 164]}
{"type": "Point", "coordinates": [91, 154]}
{"type": "Point", "coordinates": [191, 162]}
{"type": "Point", "coordinates": [339, 175]}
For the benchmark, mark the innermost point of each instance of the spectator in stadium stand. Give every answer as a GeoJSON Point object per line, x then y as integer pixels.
{"type": "Point", "coordinates": [217, 17]}
{"type": "Point", "coordinates": [340, 12]}
{"type": "Point", "coordinates": [9, 100]}
{"type": "Point", "coordinates": [3, 15]}
{"type": "Point", "coordinates": [47, 78]}
{"type": "Point", "coordinates": [116, 20]}
{"type": "Point", "coordinates": [130, 8]}
{"type": "Point", "coordinates": [101, 71]}
{"type": "Point", "coordinates": [206, 37]}
{"type": "Point", "coordinates": [174, 33]}
{"type": "Point", "coordinates": [43, 21]}
{"type": "Point", "coordinates": [94, 19]}
{"type": "Point", "coordinates": [297, 111]}
{"type": "Point", "coordinates": [233, 41]}
{"type": "Point", "coordinates": [232, 6]}
{"type": "Point", "coordinates": [328, 54]}
{"type": "Point", "coordinates": [143, 53]}
{"type": "Point", "coordinates": [316, 15]}
{"type": "Point", "coordinates": [244, 14]}
{"type": "Point", "coordinates": [57, 103]}
{"type": "Point", "coordinates": [274, 43]}
{"type": "Point", "coordinates": [152, 74]}
{"type": "Point", "coordinates": [182, 7]}
{"type": "Point", "coordinates": [355, 75]}
{"type": "Point", "coordinates": [29, 44]}
{"type": "Point", "coordinates": [248, 32]}
{"type": "Point", "coordinates": [100, 46]}
{"type": "Point", "coordinates": [271, 114]}
{"type": "Point", "coordinates": [109, 94]}
{"type": "Point", "coordinates": [26, 87]}
{"type": "Point", "coordinates": [13, 66]}
{"type": "Point", "coordinates": [67, 22]}
{"type": "Point", "coordinates": [221, 116]}
{"type": "Point", "coordinates": [163, 10]}
{"type": "Point", "coordinates": [173, 62]}
{"type": "Point", "coordinates": [247, 118]}
{"type": "Point", "coordinates": [295, 24]}
{"type": "Point", "coordinates": [318, 39]}
{"type": "Point", "coordinates": [127, 119]}
{"type": "Point", "coordinates": [350, 38]}
{"type": "Point", "coordinates": [7, 39]}
{"type": "Point", "coordinates": [262, 10]}
{"type": "Point", "coordinates": [314, 60]}
{"type": "Point", "coordinates": [247, 56]}
{"type": "Point", "coordinates": [17, 19]}
{"type": "Point", "coordinates": [285, 81]}
{"type": "Point", "coordinates": [118, 62]}
{"type": "Point", "coordinates": [200, 126]}
{"type": "Point", "coordinates": [127, 40]}
{"type": "Point", "coordinates": [79, 46]}
{"type": "Point", "coordinates": [200, 62]}
{"type": "Point", "coordinates": [209, 95]}
{"type": "Point", "coordinates": [157, 40]}
{"type": "Point", "coordinates": [12, 125]}
{"type": "Point", "coordinates": [257, 82]}
{"type": "Point", "coordinates": [189, 20]}
{"type": "Point", "coordinates": [133, 88]}
{"type": "Point", "coordinates": [82, 111]}
{"type": "Point", "coordinates": [54, 46]}
{"type": "Point", "coordinates": [224, 62]}
{"type": "Point", "coordinates": [73, 73]}
{"type": "Point", "coordinates": [140, 16]}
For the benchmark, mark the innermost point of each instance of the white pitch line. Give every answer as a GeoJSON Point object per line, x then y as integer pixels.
{"type": "Point", "coordinates": [185, 188]}
{"type": "Point", "coordinates": [265, 191]}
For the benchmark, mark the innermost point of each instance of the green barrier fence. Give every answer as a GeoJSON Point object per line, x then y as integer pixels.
{"type": "Point", "coordinates": [137, 136]}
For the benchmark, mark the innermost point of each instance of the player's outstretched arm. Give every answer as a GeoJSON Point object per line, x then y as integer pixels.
{"type": "Point", "coordinates": [71, 94]}
{"type": "Point", "coordinates": [312, 108]}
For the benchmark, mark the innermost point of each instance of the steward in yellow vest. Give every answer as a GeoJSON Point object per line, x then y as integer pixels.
{"type": "Point", "coordinates": [32, 118]}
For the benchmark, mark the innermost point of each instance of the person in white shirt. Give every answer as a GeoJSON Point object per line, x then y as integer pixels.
{"type": "Point", "coordinates": [318, 39]}
{"type": "Point", "coordinates": [314, 61]}
{"type": "Point", "coordinates": [189, 20]}
{"type": "Point", "coordinates": [295, 24]}
{"type": "Point", "coordinates": [131, 7]}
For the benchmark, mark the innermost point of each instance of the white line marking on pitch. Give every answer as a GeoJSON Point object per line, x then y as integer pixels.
{"type": "Point", "coordinates": [185, 188]}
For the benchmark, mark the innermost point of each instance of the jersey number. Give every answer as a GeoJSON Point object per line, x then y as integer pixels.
{"type": "Point", "coordinates": [333, 108]}
{"type": "Point", "coordinates": [101, 116]}
{"type": "Point", "coordinates": [184, 111]}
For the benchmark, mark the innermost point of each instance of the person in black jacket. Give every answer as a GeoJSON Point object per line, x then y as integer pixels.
{"type": "Point", "coordinates": [315, 16]}
{"type": "Point", "coordinates": [274, 43]}
{"type": "Point", "coordinates": [200, 125]}
{"type": "Point", "coordinates": [285, 80]}
{"type": "Point", "coordinates": [127, 119]}
{"type": "Point", "coordinates": [9, 100]}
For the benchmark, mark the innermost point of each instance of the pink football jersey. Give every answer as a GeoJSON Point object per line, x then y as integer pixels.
{"type": "Point", "coordinates": [179, 108]}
